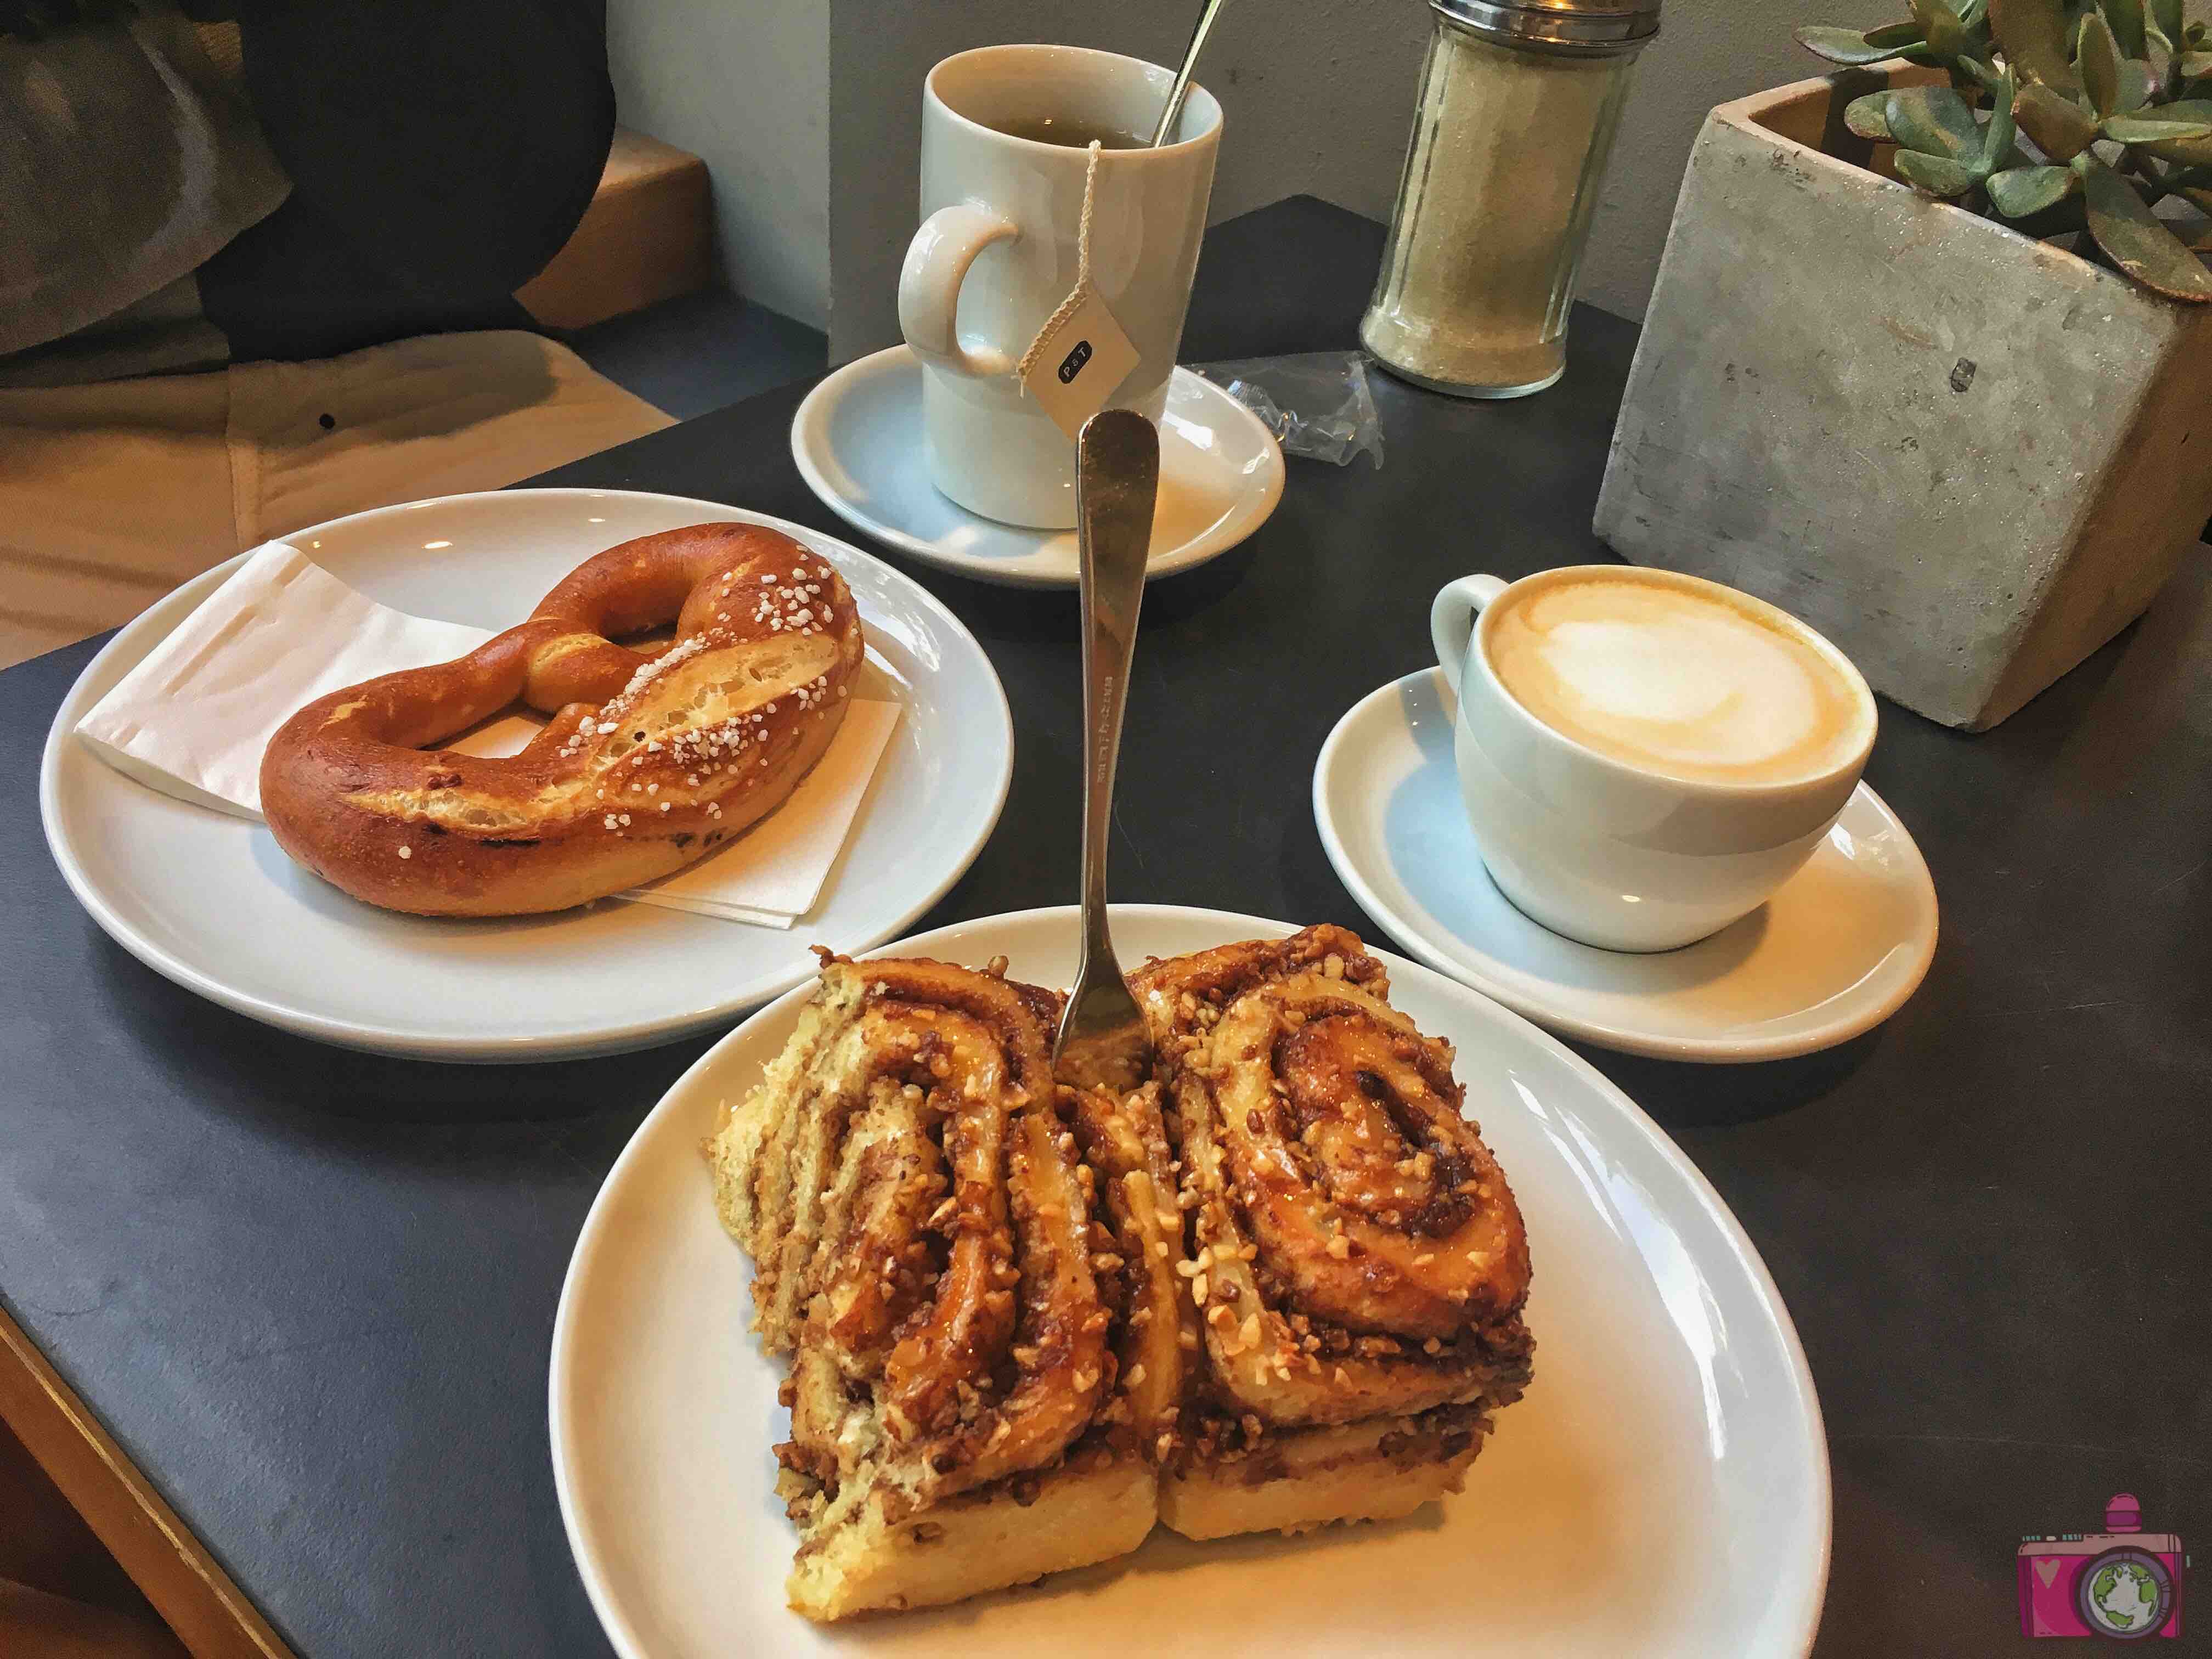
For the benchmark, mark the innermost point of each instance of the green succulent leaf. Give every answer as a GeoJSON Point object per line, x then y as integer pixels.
{"type": "Point", "coordinates": [2136, 239]}
{"type": "Point", "coordinates": [2184, 152]}
{"type": "Point", "coordinates": [1842, 46]}
{"type": "Point", "coordinates": [1895, 35]}
{"type": "Point", "coordinates": [1935, 121]}
{"type": "Point", "coordinates": [2098, 59]}
{"type": "Point", "coordinates": [2059, 126]}
{"type": "Point", "coordinates": [2138, 86]}
{"type": "Point", "coordinates": [1867, 116]}
{"type": "Point", "coordinates": [2165, 16]}
{"type": "Point", "coordinates": [1932, 175]}
{"type": "Point", "coordinates": [1978, 74]}
{"type": "Point", "coordinates": [2034, 35]}
{"type": "Point", "coordinates": [2150, 129]}
{"type": "Point", "coordinates": [1946, 32]}
{"type": "Point", "coordinates": [2019, 191]}
{"type": "Point", "coordinates": [2126, 18]}
{"type": "Point", "coordinates": [1997, 135]}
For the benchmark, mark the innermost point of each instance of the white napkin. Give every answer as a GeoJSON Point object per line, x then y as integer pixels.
{"type": "Point", "coordinates": [772, 874]}
{"type": "Point", "coordinates": [192, 719]}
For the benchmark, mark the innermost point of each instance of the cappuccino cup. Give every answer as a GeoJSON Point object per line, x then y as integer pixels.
{"type": "Point", "coordinates": [1646, 756]}
{"type": "Point", "coordinates": [1003, 174]}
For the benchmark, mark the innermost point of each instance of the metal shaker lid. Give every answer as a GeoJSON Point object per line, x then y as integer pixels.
{"type": "Point", "coordinates": [1594, 28]}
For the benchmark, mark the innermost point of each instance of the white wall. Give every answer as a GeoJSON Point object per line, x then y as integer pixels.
{"type": "Point", "coordinates": [1708, 51]}
{"type": "Point", "coordinates": [1318, 94]}
{"type": "Point", "coordinates": [808, 113]}
{"type": "Point", "coordinates": [744, 85]}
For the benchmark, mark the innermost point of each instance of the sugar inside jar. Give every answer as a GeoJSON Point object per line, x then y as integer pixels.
{"type": "Point", "coordinates": [1519, 102]}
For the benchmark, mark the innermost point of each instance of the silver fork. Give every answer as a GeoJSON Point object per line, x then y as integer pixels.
{"type": "Point", "coordinates": [1102, 1039]}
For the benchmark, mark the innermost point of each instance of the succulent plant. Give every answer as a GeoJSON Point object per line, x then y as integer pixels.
{"type": "Point", "coordinates": [2065, 118]}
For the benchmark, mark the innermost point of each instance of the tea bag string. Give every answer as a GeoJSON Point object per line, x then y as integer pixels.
{"type": "Point", "coordinates": [1069, 306]}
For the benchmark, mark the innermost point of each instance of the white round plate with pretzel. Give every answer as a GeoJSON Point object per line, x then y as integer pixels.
{"type": "Point", "coordinates": [211, 901]}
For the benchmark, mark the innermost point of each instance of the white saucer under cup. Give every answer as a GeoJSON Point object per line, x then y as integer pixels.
{"type": "Point", "coordinates": [857, 442]}
{"type": "Point", "coordinates": [1835, 951]}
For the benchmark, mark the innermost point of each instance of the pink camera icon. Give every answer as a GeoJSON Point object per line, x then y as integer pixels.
{"type": "Point", "coordinates": [2123, 1583]}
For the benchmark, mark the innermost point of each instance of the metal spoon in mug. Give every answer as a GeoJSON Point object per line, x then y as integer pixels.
{"type": "Point", "coordinates": [1181, 89]}
{"type": "Point", "coordinates": [1102, 1040]}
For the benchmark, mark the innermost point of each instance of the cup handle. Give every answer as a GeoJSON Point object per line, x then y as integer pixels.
{"type": "Point", "coordinates": [1451, 622]}
{"type": "Point", "coordinates": [937, 262]}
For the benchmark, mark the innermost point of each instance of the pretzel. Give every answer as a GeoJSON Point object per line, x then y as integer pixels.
{"type": "Point", "coordinates": [651, 759]}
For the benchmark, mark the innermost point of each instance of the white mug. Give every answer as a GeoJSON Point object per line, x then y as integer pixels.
{"type": "Point", "coordinates": [1602, 850]}
{"type": "Point", "coordinates": [997, 253]}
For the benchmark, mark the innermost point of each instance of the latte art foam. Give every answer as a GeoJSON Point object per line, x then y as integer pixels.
{"type": "Point", "coordinates": [1675, 681]}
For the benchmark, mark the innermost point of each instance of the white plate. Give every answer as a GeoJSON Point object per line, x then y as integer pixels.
{"type": "Point", "coordinates": [857, 442]}
{"type": "Point", "coordinates": [1835, 952]}
{"type": "Point", "coordinates": [1661, 1490]}
{"type": "Point", "coordinates": [210, 901]}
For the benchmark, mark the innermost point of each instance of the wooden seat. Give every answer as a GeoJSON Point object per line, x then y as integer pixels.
{"type": "Point", "coordinates": [647, 236]}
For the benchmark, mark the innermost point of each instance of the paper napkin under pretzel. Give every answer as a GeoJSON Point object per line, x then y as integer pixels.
{"type": "Point", "coordinates": [192, 719]}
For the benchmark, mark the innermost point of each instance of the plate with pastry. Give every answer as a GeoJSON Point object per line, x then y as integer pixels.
{"type": "Point", "coordinates": [1374, 1320]}
{"type": "Point", "coordinates": [524, 775]}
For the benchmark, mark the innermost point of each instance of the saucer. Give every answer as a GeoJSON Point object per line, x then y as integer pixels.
{"type": "Point", "coordinates": [857, 440]}
{"type": "Point", "coordinates": [1835, 952]}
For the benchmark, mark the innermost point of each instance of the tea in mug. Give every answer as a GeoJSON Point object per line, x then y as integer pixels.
{"type": "Point", "coordinates": [1074, 134]}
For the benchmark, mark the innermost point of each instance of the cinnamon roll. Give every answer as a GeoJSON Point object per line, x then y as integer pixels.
{"type": "Point", "coordinates": [1357, 1263]}
{"type": "Point", "coordinates": [1124, 1143]}
{"type": "Point", "coordinates": [1279, 1285]}
{"type": "Point", "coordinates": [973, 1392]}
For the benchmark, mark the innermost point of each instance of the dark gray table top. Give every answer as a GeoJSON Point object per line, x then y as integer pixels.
{"type": "Point", "coordinates": [311, 1292]}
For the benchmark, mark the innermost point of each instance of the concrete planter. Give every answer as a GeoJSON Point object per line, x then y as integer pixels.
{"type": "Point", "coordinates": [1968, 458]}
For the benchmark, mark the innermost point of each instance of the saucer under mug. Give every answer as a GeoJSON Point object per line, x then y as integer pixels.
{"type": "Point", "coordinates": [1837, 950]}
{"type": "Point", "coordinates": [857, 441]}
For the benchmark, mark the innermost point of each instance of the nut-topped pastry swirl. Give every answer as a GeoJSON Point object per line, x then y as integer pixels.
{"type": "Point", "coordinates": [1276, 1286]}
{"type": "Point", "coordinates": [910, 1185]}
{"type": "Point", "coordinates": [1124, 1143]}
{"type": "Point", "coordinates": [1356, 1251]}
{"type": "Point", "coordinates": [921, 1223]}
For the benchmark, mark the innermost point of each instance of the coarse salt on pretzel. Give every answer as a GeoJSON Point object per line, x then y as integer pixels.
{"type": "Point", "coordinates": [650, 760]}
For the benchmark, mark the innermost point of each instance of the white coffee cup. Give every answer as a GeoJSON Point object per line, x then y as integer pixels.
{"type": "Point", "coordinates": [1608, 848]}
{"type": "Point", "coordinates": [998, 252]}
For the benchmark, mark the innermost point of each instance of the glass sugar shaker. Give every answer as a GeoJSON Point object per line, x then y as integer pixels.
{"type": "Point", "coordinates": [1519, 102]}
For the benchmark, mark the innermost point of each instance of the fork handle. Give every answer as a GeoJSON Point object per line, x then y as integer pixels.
{"type": "Point", "coordinates": [1117, 478]}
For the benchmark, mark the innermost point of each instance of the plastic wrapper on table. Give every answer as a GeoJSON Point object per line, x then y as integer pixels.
{"type": "Point", "coordinates": [1318, 403]}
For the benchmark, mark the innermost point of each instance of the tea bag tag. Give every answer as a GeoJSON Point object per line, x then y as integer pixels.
{"type": "Point", "coordinates": [1079, 360]}
{"type": "Point", "coordinates": [1080, 354]}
